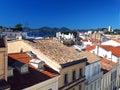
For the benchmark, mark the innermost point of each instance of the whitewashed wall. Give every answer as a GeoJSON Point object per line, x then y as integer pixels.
{"type": "Point", "coordinates": [111, 42]}
{"type": "Point", "coordinates": [93, 70]}
{"type": "Point", "coordinates": [104, 53]}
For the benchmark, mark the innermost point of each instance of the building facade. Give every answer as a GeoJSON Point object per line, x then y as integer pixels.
{"type": "Point", "coordinates": [109, 79]}
{"type": "Point", "coordinates": [12, 35]}
{"type": "Point", "coordinates": [31, 73]}
{"type": "Point", "coordinates": [68, 62]}
{"type": "Point", "coordinates": [73, 76]}
{"type": "Point", "coordinates": [3, 65]}
{"type": "Point", "coordinates": [112, 54]}
{"type": "Point", "coordinates": [60, 35]}
{"type": "Point", "coordinates": [93, 71]}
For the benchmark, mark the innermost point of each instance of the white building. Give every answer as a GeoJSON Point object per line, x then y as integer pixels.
{"type": "Point", "coordinates": [112, 42]}
{"type": "Point", "coordinates": [93, 71]}
{"type": "Point", "coordinates": [109, 78]}
{"type": "Point", "coordinates": [86, 43]}
{"type": "Point", "coordinates": [60, 35]}
{"type": "Point", "coordinates": [109, 52]}
{"type": "Point", "coordinates": [13, 35]}
{"type": "Point", "coordinates": [110, 29]}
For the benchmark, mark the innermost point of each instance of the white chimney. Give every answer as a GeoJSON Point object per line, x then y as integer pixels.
{"type": "Point", "coordinates": [41, 65]}
{"type": "Point", "coordinates": [37, 64]}
{"type": "Point", "coordinates": [97, 50]}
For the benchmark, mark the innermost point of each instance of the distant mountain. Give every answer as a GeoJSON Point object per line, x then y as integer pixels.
{"type": "Point", "coordinates": [47, 31]}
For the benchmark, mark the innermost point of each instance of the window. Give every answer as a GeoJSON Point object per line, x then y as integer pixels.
{"type": "Point", "coordinates": [10, 34]}
{"type": "Point", "coordinates": [50, 89]}
{"type": "Point", "coordinates": [99, 83]}
{"type": "Point", "coordinates": [65, 78]}
{"type": "Point", "coordinates": [113, 75]}
{"type": "Point", "coordinates": [73, 89]}
{"type": "Point", "coordinates": [80, 72]}
{"type": "Point", "coordinates": [80, 87]}
{"type": "Point", "coordinates": [91, 87]}
{"type": "Point", "coordinates": [105, 56]}
{"type": "Point", "coordinates": [74, 75]}
{"type": "Point", "coordinates": [86, 88]}
{"type": "Point", "coordinates": [95, 86]}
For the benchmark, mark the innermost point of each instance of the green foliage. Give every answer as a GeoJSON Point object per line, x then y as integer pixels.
{"type": "Point", "coordinates": [111, 33]}
{"type": "Point", "coordinates": [1, 27]}
{"type": "Point", "coordinates": [68, 42]}
{"type": "Point", "coordinates": [18, 27]}
{"type": "Point", "coordinates": [48, 31]}
{"type": "Point", "coordinates": [117, 31]}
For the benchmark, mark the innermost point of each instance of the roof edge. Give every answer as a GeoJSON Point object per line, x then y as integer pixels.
{"type": "Point", "coordinates": [73, 62]}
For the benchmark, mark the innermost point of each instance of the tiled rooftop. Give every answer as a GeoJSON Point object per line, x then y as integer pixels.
{"type": "Point", "coordinates": [115, 50]}
{"type": "Point", "coordinates": [107, 64]}
{"type": "Point", "coordinates": [92, 40]}
{"type": "Point", "coordinates": [88, 48]}
{"type": "Point", "coordinates": [56, 51]}
{"type": "Point", "coordinates": [117, 40]}
{"type": "Point", "coordinates": [91, 58]}
{"type": "Point", "coordinates": [20, 81]}
{"type": "Point", "coordinates": [2, 43]}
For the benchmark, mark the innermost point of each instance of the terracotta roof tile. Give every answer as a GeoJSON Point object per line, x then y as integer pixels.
{"type": "Point", "coordinates": [117, 40]}
{"type": "Point", "coordinates": [20, 81]}
{"type": "Point", "coordinates": [56, 51]}
{"type": "Point", "coordinates": [91, 58]}
{"type": "Point", "coordinates": [88, 48]}
{"type": "Point", "coordinates": [107, 64]}
{"type": "Point", "coordinates": [115, 50]}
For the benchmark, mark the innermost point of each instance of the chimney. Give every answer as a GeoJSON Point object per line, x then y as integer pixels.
{"type": "Point", "coordinates": [97, 49]}
{"type": "Point", "coordinates": [21, 50]}
{"type": "Point", "coordinates": [110, 53]}
{"type": "Point", "coordinates": [41, 65]}
{"type": "Point", "coordinates": [37, 63]}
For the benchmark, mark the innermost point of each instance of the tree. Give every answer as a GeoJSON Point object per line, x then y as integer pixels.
{"type": "Point", "coordinates": [68, 42]}
{"type": "Point", "coordinates": [18, 27]}
{"type": "Point", "coordinates": [1, 27]}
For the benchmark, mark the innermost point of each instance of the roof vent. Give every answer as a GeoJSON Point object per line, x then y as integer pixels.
{"type": "Point", "coordinates": [21, 67]}
{"type": "Point", "coordinates": [21, 50]}
{"type": "Point", "coordinates": [10, 71]}
{"type": "Point", "coordinates": [37, 64]}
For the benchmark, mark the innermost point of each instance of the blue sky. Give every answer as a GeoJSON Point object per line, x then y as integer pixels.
{"type": "Point", "coordinates": [74, 14]}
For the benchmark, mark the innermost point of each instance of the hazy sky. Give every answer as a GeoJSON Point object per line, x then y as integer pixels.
{"type": "Point", "coordinates": [74, 14]}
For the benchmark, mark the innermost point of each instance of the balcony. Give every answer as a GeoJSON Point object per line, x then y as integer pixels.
{"type": "Point", "coordinates": [94, 77]}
